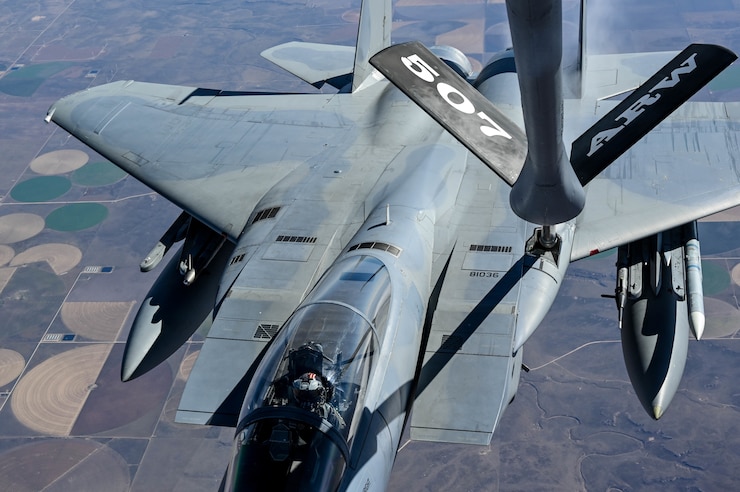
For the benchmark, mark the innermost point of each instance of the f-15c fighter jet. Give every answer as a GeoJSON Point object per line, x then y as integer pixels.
{"type": "Point", "coordinates": [397, 242]}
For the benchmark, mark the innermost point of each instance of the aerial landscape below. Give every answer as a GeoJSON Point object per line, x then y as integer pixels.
{"type": "Point", "coordinates": [74, 229]}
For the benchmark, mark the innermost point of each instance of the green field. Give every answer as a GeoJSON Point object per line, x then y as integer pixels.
{"type": "Point", "coordinates": [41, 189]}
{"type": "Point", "coordinates": [26, 80]}
{"type": "Point", "coordinates": [76, 216]}
{"type": "Point", "coordinates": [715, 277]}
{"type": "Point", "coordinates": [97, 174]}
{"type": "Point", "coordinates": [727, 80]}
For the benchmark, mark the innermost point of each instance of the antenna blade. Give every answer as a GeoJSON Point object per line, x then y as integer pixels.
{"type": "Point", "coordinates": [647, 106]}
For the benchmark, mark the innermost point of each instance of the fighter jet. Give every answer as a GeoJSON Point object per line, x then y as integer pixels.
{"type": "Point", "coordinates": [396, 242]}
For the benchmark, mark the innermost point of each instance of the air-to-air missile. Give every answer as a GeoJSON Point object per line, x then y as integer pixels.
{"type": "Point", "coordinates": [200, 248]}
{"type": "Point", "coordinates": [659, 295]}
{"type": "Point", "coordinates": [694, 281]}
{"type": "Point", "coordinates": [175, 233]}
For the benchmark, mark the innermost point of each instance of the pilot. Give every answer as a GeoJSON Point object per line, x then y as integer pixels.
{"type": "Point", "coordinates": [310, 392]}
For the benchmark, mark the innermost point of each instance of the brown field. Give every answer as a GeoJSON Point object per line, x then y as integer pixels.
{"type": "Point", "coordinates": [19, 227]}
{"type": "Point", "coordinates": [49, 397]}
{"type": "Point", "coordinates": [59, 162]}
{"type": "Point", "coordinates": [11, 365]}
{"type": "Point", "coordinates": [100, 321]}
{"type": "Point", "coordinates": [60, 257]}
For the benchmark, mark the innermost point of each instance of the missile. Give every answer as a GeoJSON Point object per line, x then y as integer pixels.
{"type": "Point", "coordinates": [187, 270]}
{"type": "Point", "coordinates": [695, 292]}
{"type": "Point", "coordinates": [201, 246]}
{"type": "Point", "coordinates": [189, 277]}
{"type": "Point", "coordinates": [153, 258]}
{"type": "Point", "coordinates": [176, 232]}
{"type": "Point", "coordinates": [655, 246]}
{"type": "Point", "coordinates": [620, 292]}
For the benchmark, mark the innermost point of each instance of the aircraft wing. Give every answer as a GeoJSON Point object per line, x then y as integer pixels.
{"type": "Point", "coordinates": [212, 153]}
{"type": "Point", "coordinates": [685, 169]}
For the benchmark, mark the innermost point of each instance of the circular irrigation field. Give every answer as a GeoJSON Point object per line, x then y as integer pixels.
{"type": "Point", "coordinates": [40, 189]}
{"type": "Point", "coordinates": [97, 174]}
{"type": "Point", "coordinates": [76, 217]}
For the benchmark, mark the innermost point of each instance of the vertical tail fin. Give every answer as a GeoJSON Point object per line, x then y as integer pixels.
{"type": "Point", "coordinates": [577, 84]}
{"type": "Point", "coordinates": [574, 53]}
{"type": "Point", "coordinates": [374, 34]}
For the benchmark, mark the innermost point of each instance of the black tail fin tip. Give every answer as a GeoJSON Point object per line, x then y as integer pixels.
{"type": "Point", "coordinates": [463, 111]}
{"type": "Point", "coordinates": [646, 107]}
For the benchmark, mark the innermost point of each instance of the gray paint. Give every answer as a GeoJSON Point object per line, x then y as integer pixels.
{"type": "Point", "coordinates": [335, 163]}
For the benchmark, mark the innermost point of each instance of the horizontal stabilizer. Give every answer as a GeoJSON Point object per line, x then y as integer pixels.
{"type": "Point", "coordinates": [314, 63]}
{"type": "Point", "coordinates": [463, 111]}
{"type": "Point", "coordinates": [647, 106]}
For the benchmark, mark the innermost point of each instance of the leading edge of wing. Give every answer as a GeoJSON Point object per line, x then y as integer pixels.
{"type": "Point", "coordinates": [211, 155]}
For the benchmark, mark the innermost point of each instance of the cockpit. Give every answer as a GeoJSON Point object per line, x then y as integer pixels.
{"type": "Point", "coordinates": [302, 410]}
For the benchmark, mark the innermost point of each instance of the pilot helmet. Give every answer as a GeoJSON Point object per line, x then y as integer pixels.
{"type": "Point", "coordinates": [308, 389]}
